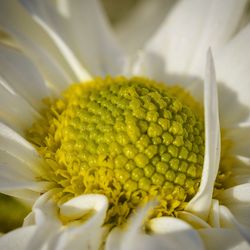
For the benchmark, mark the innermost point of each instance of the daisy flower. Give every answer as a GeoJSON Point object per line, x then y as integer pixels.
{"type": "Point", "coordinates": [126, 150]}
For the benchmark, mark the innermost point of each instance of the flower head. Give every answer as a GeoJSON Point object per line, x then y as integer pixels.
{"type": "Point", "coordinates": [95, 158]}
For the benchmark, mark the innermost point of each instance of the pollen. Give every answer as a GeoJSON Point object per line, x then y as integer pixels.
{"type": "Point", "coordinates": [132, 140]}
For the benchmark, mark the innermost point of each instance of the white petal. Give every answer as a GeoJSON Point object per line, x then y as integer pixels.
{"type": "Point", "coordinates": [232, 111]}
{"type": "Point", "coordinates": [190, 29]}
{"type": "Point", "coordinates": [10, 185]}
{"type": "Point", "coordinates": [45, 216]}
{"type": "Point", "coordinates": [236, 195]}
{"type": "Point", "coordinates": [193, 220]}
{"type": "Point", "coordinates": [240, 136]}
{"type": "Point", "coordinates": [173, 241]}
{"type": "Point", "coordinates": [128, 239]}
{"type": "Point", "coordinates": [90, 233]}
{"type": "Point", "coordinates": [114, 239]}
{"type": "Point", "coordinates": [26, 195]}
{"type": "Point", "coordinates": [42, 235]}
{"type": "Point", "coordinates": [44, 209]}
{"type": "Point", "coordinates": [11, 166]}
{"type": "Point", "coordinates": [168, 233]}
{"type": "Point", "coordinates": [141, 22]}
{"type": "Point", "coordinates": [233, 65]}
{"type": "Point", "coordinates": [222, 21]}
{"type": "Point", "coordinates": [17, 239]}
{"type": "Point", "coordinates": [17, 179]}
{"type": "Point", "coordinates": [241, 171]}
{"type": "Point", "coordinates": [20, 75]}
{"type": "Point", "coordinates": [80, 205]}
{"type": "Point", "coordinates": [17, 146]}
{"type": "Point", "coordinates": [83, 32]}
{"type": "Point", "coordinates": [237, 199]}
{"type": "Point", "coordinates": [217, 239]}
{"type": "Point", "coordinates": [177, 231]}
{"type": "Point", "coordinates": [228, 220]}
{"type": "Point", "coordinates": [19, 166]}
{"type": "Point", "coordinates": [201, 202]}
{"type": "Point", "coordinates": [214, 215]}
{"type": "Point", "coordinates": [36, 44]}
{"type": "Point", "coordinates": [241, 212]}
{"type": "Point", "coordinates": [15, 111]}
{"type": "Point", "coordinates": [135, 226]}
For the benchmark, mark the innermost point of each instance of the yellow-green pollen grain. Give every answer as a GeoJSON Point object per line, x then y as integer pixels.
{"type": "Point", "coordinates": [129, 139]}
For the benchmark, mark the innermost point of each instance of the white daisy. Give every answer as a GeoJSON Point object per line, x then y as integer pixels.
{"type": "Point", "coordinates": [154, 153]}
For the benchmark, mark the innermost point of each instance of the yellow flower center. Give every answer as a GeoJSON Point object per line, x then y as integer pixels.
{"type": "Point", "coordinates": [129, 139]}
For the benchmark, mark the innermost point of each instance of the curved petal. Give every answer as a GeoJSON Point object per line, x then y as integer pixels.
{"type": "Point", "coordinates": [200, 204]}
{"type": "Point", "coordinates": [233, 65]}
{"type": "Point", "coordinates": [190, 29]}
{"type": "Point", "coordinates": [30, 85]}
{"type": "Point", "coordinates": [17, 239]}
{"type": "Point", "coordinates": [94, 47]}
{"type": "Point", "coordinates": [36, 44]}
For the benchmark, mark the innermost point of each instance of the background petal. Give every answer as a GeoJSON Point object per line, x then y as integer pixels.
{"type": "Point", "coordinates": [81, 32]}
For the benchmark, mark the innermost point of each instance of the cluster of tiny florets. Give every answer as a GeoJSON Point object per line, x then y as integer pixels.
{"type": "Point", "coordinates": [131, 140]}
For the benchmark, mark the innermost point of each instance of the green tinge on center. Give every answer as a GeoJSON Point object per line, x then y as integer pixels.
{"type": "Point", "coordinates": [129, 139]}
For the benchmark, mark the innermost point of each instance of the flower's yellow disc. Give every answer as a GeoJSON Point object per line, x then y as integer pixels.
{"type": "Point", "coordinates": [130, 139]}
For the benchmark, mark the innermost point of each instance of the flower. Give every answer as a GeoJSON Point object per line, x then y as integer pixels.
{"type": "Point", "coordinates": [62, 50]}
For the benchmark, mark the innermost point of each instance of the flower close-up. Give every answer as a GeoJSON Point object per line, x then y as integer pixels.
{"type": "Point", "coordinates": [127, 131]}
